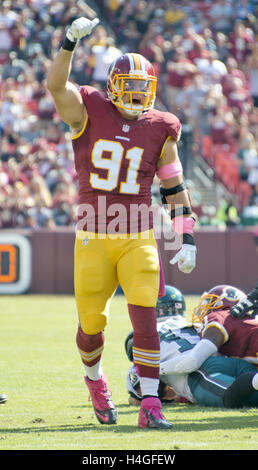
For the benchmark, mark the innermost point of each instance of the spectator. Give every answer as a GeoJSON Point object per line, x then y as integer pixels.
{"type": "Point", "coordinates": [221, 15]}
{"type": "Point", "coordinates": [248, 157]}
{"type": "Point", "coordinates": [238, 96]}
{"type": "Point", "coordinates": [252, 70]}
{"type": "Point", "coordinates": [180, 41]}
{"type": "Point", "coordinates": [102, 55]}
{"type": "Point", "coordinates": [221, 121]}
{"type": "Point", "coordinates": [240, 42]}
{"type": "Point", "coordinates": [211, 68]}
{"type": "Point", "coordinates": [232, 72]}
{"type": "Point", "coordinates": [179, 72]}
{"type": "Point", "coordinates": [221, 46]}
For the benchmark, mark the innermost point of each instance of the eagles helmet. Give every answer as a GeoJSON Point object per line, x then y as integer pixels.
{"type": "Point", "coordinates": [132, 75]}
{"type": "Point", "coordinates": [171, 304]}
{"type": "Point", "coordinates": [220, 297]}
{"type": "Point", "coordinates": [129, 346]}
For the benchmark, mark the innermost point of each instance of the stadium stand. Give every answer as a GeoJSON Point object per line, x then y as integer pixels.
{"type": "Point", "coordinates": [205, 54]}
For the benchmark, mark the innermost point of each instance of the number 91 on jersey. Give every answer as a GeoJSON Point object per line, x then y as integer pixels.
{"type": "Point", "coordinates": [15, 264]}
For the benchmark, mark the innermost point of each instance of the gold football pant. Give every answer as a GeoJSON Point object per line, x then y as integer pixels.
{"type": "Point", "coordinates": [101, 263]}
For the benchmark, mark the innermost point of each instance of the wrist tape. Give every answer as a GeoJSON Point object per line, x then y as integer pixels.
{"type": "Point", "coordinates": [68, 45]}
{"type": "Point", "coordinates": [184, 226]}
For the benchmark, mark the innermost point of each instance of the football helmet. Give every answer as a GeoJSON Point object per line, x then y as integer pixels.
{"type": "Point", "coordinates": [131, 84]}
{"type": "Point", "coordinates": [129, 346]}
{"type": "Point", "coordinates": [171, 304]}
{"type": "Point", "coordinates": [220, 297]}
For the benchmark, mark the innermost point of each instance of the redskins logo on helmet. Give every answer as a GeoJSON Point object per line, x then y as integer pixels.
{"type": "Point", "coordinates": [131, 84]}
{"type": "Point", "coordinates": [220, 297]}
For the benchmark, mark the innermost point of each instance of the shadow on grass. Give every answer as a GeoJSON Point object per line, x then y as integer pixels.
{"type": "Point", "coordinates": [181, 422]}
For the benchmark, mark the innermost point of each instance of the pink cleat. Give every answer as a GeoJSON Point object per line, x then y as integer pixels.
{"type": "Point", "coordinates": [150, 415]}
{"type": "Point", "coordinates": [104, 408]}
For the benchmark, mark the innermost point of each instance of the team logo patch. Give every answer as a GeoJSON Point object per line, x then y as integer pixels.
{"type": "Point", "coordinates": [231, 294]}
{"type": "Point", "coordinates": [126, 128]}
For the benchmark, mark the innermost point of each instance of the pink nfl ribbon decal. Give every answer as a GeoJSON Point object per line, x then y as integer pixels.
{"type": "Point", "coordinates": [170, 170]}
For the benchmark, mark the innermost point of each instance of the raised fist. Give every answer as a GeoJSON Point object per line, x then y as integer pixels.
{"type": "Point", "coordinates": [80, 28]}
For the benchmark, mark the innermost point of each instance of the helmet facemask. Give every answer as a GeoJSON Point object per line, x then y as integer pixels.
{"type": "Point", "coordinates": [220, 297]}
{"type": "Point", "coordinates": [208, 303]}
{"type": "Point", "coordinates": [134, 93]}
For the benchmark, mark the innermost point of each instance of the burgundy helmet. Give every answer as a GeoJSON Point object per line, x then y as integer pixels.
{"type": "Point", "coordinates": [220, 297]}
{"type": "Point", "coordinates": [133, 76]}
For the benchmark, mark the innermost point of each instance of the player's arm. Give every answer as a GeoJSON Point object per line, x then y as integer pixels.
{"type": "Point", "coordinates": [191, 360]}
{"type": "Point", "coordinates": [175, 195]}
{"type": "Point", "coordinates": [68, 100]}
{"type": "Point", "coordinates": [250, 304]}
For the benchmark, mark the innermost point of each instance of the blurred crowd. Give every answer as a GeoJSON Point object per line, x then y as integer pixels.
{"type": "Point", "coordinates": [205, 54]}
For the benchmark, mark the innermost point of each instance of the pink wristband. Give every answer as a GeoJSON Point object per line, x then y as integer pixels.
{"type": "Point", "coordinates": [170, 170]}
{"type": "Point", "coordinates": [183, 225]}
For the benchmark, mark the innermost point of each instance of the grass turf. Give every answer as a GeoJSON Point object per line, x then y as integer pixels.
{"type": "Point", "coordinates": [48, 407]}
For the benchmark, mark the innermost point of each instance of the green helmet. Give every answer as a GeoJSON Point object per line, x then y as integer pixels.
{"type": "Point", "coordinates": [129, 346]}
{"type": "Point", "coordinates": [171, 304]}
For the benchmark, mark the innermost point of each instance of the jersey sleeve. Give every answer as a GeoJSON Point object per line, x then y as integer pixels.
{"type": "Point", "coordinates": [173, 126]}
{"type": "Point", "coordinates": [93, 100]}
{"type": "Point", "coordinates": [216, 320]}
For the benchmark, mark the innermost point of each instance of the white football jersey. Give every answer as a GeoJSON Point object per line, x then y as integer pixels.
{"type": "Point", "coordinates": [176, 338]}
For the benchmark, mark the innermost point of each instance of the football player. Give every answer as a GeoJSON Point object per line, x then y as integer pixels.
{"type": "Point", "coordinates": [218, 382]}
{"type": "Point", "coordinates": [221, 333]}
{"type": "Point", "coordinates": [120, 142]}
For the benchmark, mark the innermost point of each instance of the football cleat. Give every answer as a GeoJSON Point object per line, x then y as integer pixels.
{"type": "Point", "coordinates": [150, 415]}
{"type": "Point", "coordinates": [100, 395]}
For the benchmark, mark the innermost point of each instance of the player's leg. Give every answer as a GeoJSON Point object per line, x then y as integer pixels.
{"type": "Point", "coordinates": [210, 382]}
{"type": "Point", "coordinates": [138, 273]}
{"type": "Point", "coordinates": [225, 382]}
{"type": "Point", "coordinates": [244, 390]}
{"type": "Point", "coordinates": [95, 281]}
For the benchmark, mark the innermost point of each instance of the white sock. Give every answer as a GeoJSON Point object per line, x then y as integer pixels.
{"type": "Point", "coordinates": [149, 386]}
{"type": "Point", "coordinates": [94, 372]}
{"type": "Point", "coordinates": [255, 381]}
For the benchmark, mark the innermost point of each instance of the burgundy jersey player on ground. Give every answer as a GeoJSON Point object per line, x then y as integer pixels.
{"type": "Point", "coordinates": [220, 332]}
{"type": "Point", "coordinates": [120, 142]}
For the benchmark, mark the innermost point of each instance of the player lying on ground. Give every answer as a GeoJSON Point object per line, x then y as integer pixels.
{"type": "Point", "coordinates": [120, 142]}
{"type": "Point", "coordinates": [220, 381]}
{"type": "Point", "coordinates": [220, 332]}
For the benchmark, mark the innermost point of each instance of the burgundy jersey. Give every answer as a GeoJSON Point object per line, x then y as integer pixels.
{"type": "Point", "coordinates": [240, 335]}
{"type": "Point", "coordinates": [116, 160]}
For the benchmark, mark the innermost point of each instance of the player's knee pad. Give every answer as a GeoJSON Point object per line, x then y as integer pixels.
{"type": "Point", "coordinates": [93, 324]}
{"type": "Point", "coordinates": [145, 296]}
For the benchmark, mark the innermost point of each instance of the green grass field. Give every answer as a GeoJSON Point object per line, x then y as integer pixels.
{"type": "Point", "coordinates": [48, 407]}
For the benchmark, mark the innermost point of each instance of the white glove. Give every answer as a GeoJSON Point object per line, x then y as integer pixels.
{"type": "Point", "coordinates": [80, 28]}
{"type": "Point", "coordinates": [186, 258]}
